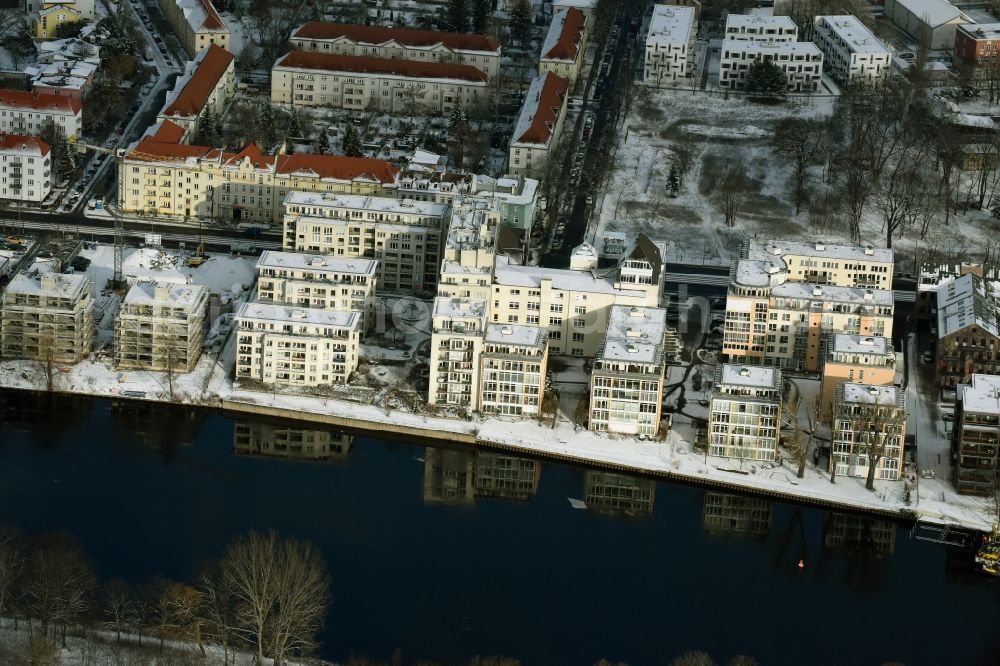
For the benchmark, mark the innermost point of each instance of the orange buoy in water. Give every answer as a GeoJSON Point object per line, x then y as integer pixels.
{"type": "Point", "coordinates": [802, 564]}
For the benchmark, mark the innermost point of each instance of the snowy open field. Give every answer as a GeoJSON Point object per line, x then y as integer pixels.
{"type": "Point", "coordinates": [728, 132]}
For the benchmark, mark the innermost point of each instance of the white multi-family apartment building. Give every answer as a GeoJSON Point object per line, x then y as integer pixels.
{"type": "Point", "coordinates": [669, 43]}
{"type": "Point", "coordinates": [574, 306]}
{"type": "Point", "coordinates": [163, 177]}
{"type": "Point", "coordinates": [196, 23]}
{"type": "Point", "coordinates": [48, 317]}
{"type": "Point", "coordinates": [513, 363]}
{"type": "Point", "coordinates": [801, 62]}
{"type": "Point", "coordinates": [786, 299]}
{"type": "Point", "coordinates": [851, 52]}
{"type": "Point", "coordinates": [470, 251]}
{"type": "Point", "coordinates": [208, 83]}
{"type": "Point", "coordinates": [565, 42]}
{"type": "Point", "coordinates": [402, 235]}
{"type": "Point", "coordinates": [25, 168]}
{"type": "Point", "coordinates": [319, 281]}
{"type": "Point", "coordinates": [161, 326]}
{"type": "Point", "coordinates": [976, 434]}
{"type": "Point", "coordinates": [27, 112]}
{"type": "Point", "coordinates": [626, 383]}
{"type": "Point", "coordinates": [479, 51]}
{"type": "Point", "coordinates": [761, 28]}
{"type": "Point", "coordinates": [362, 83]}
{"type": "Point", "coordinates": [457, 329]}
{"type": "Point", "coordinates": [868, 416]}
{"type": "Point", "coordinates": [293, 346]}
{"type": "Point", "coordinates": [861, 359]}
{"type": "Point", "coordinates": [539, 125]}
{"type": "Point", "coordinates": [745, 412]}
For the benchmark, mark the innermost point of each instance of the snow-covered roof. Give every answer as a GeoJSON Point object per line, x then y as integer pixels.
{"type": "Point", "coordinates": [298, 315]}
{"type": "Point", "coordinates": [389, 205]}
{"type": "Point", "coordinates": [765, 48]}
{"type": "Point", "coordinates": [462, 308]}
{"type": "Point", "coordinates": [509, 274]}
{"type": "Point", "coordinates": [634, 334]}
{"type": "Point", "coordinates": [966, 301]}
{"type": "Point", "coordinates": [539, 115]}
{"type": "Point", "coordinates": [931, 12]}
{"type": "Point", "coordinates": [819, 250]}
{"type": "Point", "coordinates": [869, 394]}
{"type": "Point", "coordinates": [514, 334]}
{"type": "Point", "coordinates": [833, 293]}
{"type": "Point", "coordinates": [181, 296]}
{"type": "Point", "coordinates": [981, 395]}
{"type": "Point", "coordinates": [562, 41]}
{"type": "Point", "coordinates": [734, 374]}
{"type": "Point", "coordinates": [50, 284]}
{"type": "Point", "coordinates": [760, 21]}
{"type": "Point", "coordinates": [853, 34]}
{"type": "Point", "coordinates": [981, 31]}
{"type": "Point", "coordinates": [850, 343]}
{"type": "Point", "coordinates": [271, 259]}
{"type": "Point", "coordinates": [671, 24]}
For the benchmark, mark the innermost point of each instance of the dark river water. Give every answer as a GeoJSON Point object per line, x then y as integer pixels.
{"type": "Point", "coordinates": [446, 553]}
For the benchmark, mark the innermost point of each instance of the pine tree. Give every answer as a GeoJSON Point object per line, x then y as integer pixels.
{"type": "Point", "coordinates": [266, 126]}
{"type": "Point", "coordinates": [294, 125]}
{"type": "Point", "coordinates": [352, 142]}
{"type": "Point", "coordinates": [323, 142]}
{"type": "Point", "coordinates": [520, 20]}
{"type": "Point", "coordinates": [673, 181]}
{"type": "Point", "coordinates": [458, 15]}
{"type": "Point", "coordinates": [765, 79]}
{"type": "Point", "coordinates": [480, 16]}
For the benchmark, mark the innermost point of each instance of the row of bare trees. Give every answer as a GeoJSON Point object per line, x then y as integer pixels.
{"type": "Point", "coordinates": [266, 595]}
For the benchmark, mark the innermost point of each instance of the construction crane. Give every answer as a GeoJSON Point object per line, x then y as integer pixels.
{"type": "Point", "coordinates": [119, 155]}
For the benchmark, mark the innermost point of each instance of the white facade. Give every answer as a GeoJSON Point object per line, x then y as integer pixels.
{"type": "Point", "coordinates": [27, 112]}
{"type": "Point", "coordinates": [669, 56]}
{"type": "Point", "coordinates": [745, 413]}
{"type": "Point", "coordinates": [313, 281]}
{"type": "Point", "coordinates": [626, 384]}
{"type": "Point", "coordinates": [296, 346]}
{"type": "Point", "coordinates": [458, 326]}
{"type": "Point", "coordinates": [866, 415]}
{"type": "Point", "coordinates": [512, 370]}
{"type": "Point", "coordinates": [25, 168]}
{"type": "Point", "coordinates": [851, 52]}
{"type": "Point", "coordinates": [934, 21]}
{"type": "Point", "coordinates": [402, 235]}
{"type": "Point", "coordinates": [761, 28]}
{"type": "Point", "coordinates": [801, 62]}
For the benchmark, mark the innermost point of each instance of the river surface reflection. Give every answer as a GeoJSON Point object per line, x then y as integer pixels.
{"type": "Point", "coordinates": [448, 552]}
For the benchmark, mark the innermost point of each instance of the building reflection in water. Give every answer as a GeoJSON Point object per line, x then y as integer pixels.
{"type": "Point", "coordinates": [859, 535]}
{"type": "Point", "coordinates": [162, 427]}
{"type": "Point", "coordinates": [618, 494]}
{"type": "Point", "coordinates": [740, 516]}
{"type": "Point", "coordinates": [449, 476]}
{"type": "Point", "coordinates": [293, 442]}
{"type": "Point", "coordinates": [506, 477]}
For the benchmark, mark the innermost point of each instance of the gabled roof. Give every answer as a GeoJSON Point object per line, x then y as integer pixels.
{"type": "Point", "coordinates": [201, 15]}
{"type": "Point", "coordinates": [19, 99]}
{"type": "Point", "coordinates": [966, 301]}
{"type": "Point", "coordinates": [23, 145]}
{"type": "Point", "coordinates": [645, 249]}
{"type": "Point", "coordinates": [931, 12]}
{"type": "Point", "coordinates": [371, 34]}
{"type": "Point", "coordinates": [565, 34]}
{"type": "Point", "coordinates": [167, 132]}
{"type": "Point", "coordinates": [338, 168]}
{"type": "Point", "coordinates": [210, 66]}
{"type": "Point", "coordinates": [540, 111]}
{"type": "Point", "coordinates": [367, 65]}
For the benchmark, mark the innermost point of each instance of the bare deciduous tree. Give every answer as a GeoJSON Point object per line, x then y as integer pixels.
{"type": "Point", "coordinates": [684, 149]}
{"type": "Point", "coordinates": [798, 142]}
{"type": "Point", "coordinates": [119, 608]}
{"type": "Point", "coordinates": [905, 196]}
{"type": "Point", "coordinates": [58, 583]}
{"type": "Point", "coordinates": [874, 427]}
{"type": "Point", "coordinates": [11, 562]}
{"type": "Point", "coordinates": [731, 192]}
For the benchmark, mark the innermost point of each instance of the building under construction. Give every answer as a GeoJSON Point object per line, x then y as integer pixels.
{"type": "Point", "coordinates": [48, 317]}
{"type": "Point", "coordinates": [161, 326]}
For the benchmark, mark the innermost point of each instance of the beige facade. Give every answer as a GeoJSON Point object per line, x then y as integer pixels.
{"type": "Point", "coordinates": [376, 84]}
{"type": "Point", "coordinates": [745, 412]}
{"type": "Point", "coordinates": [163, 177]}
{"type": "Point", "coordinates": [626, 383]}
{"type": "Point", "coordinates": [208, 83]}
{"type": "Point", "coordinates": [48, 318]}
{"type": "Point", "coordinates": [868, 416]}
{"type": "Point", "coordinates": [296, 346]}
{"type": "Point", "coordinates": [313, 281]}
{"type": "Point", "coordinates": [479, 51]}
{"type": "Point", "coordinates": [403, 236]}
{"type": "Point", "coordinates": [785, 300]}
{"type": "Point", "coordinates": [565, 42]}
{"type": "Point", "coordinates": [512, 370]}
{"type": "Point", "coordinates": [196, 24]}
{"type": "Point", "coordinates": [458, 326]}
{"type": "Point", "coordinates": [539, 125]}
{"type": "Point", "coordinates": [860, 359]}
{"type": "Point", "coordinates": [161, 327]}
{"type": "Point", "coordinates": [469, 252]}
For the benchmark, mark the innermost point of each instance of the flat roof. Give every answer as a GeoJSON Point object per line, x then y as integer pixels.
{"type": "Point", "coordinates": [770, 47]}
{"type": "Point", "coordinates": [854, 33]}
{"type": "Point", "coordinates": [634, 334]}
{"type": "Point", "coordinates": [368, 203]}
{"type": "Point", "coordinates": [869, 394]}
{"type": "Point", "coordinates": [286, 314]}
{"type": "Point", "coordinates": [509, 274]}
{"type": "Point", "coordinates": [828, 292]}
{"type": "Point", "coordinates": [515, 334]}
{"type": "Point", "coordinates": [759, 21]}
{"type": "Point", "coordinates": [735, 374]}
{"type": "Point", "coordinates": [819, 249]}
{"type": "Point", "coordinates": [981, 395]}
{"type": "Point", "coordinates": [980, 31]}
{"type": "Point", "coordinates": [448, 306]}
{"type": "Point", "coordinates": [61, 284]}
{"type": "Point", "coordinates": [860, 344]}
{"type": "Point", "coordinates": [145, 293]}
{"type": "Point", "coordinates": [315, 262]}
{"type": "Point", "coordinates": [670, 24]}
